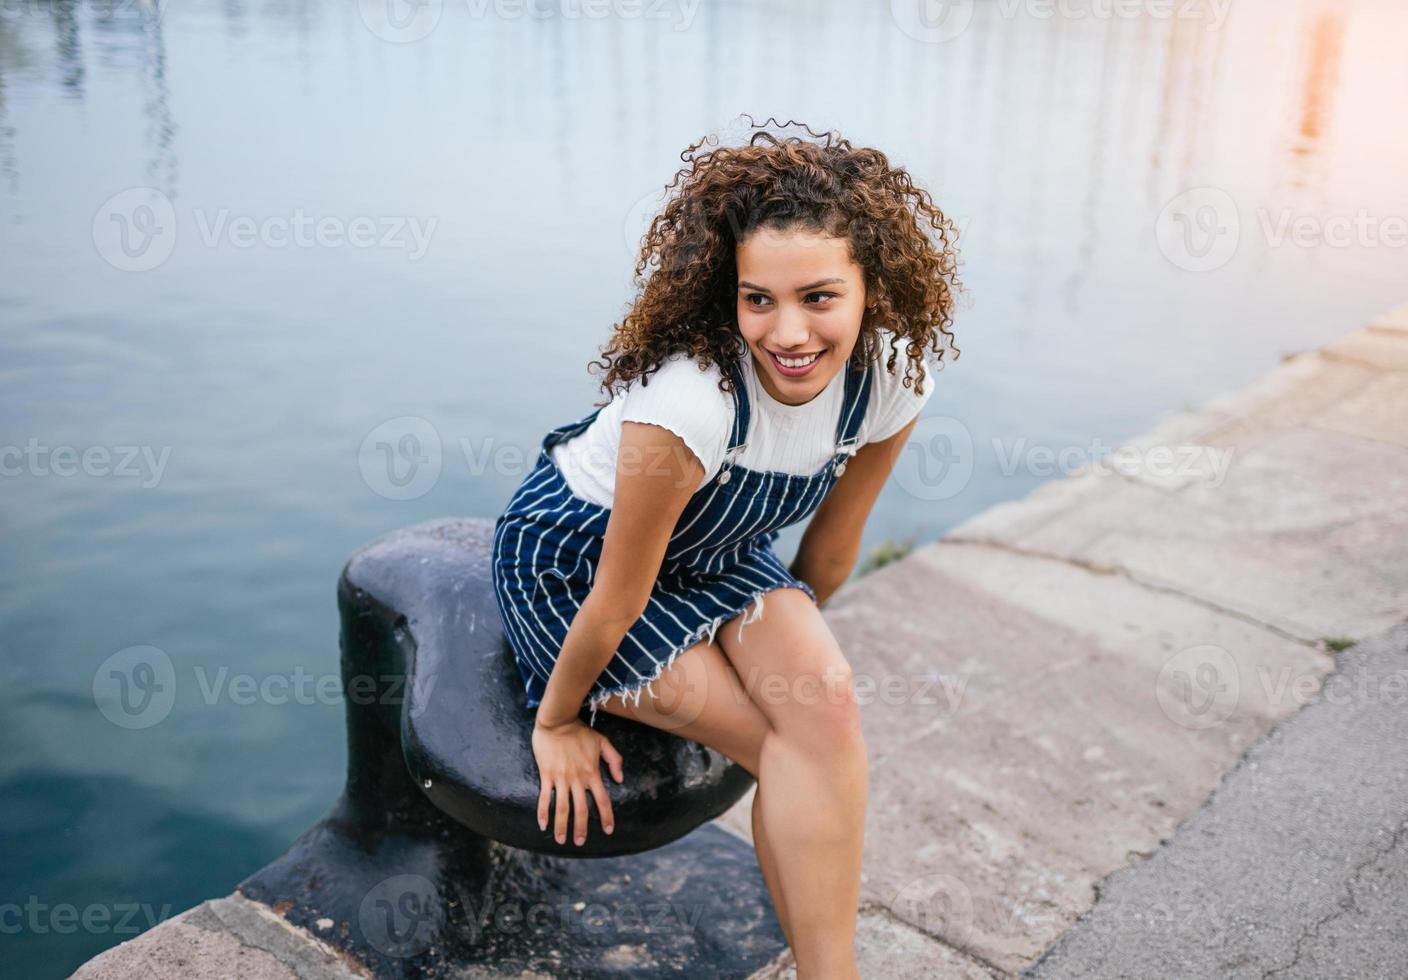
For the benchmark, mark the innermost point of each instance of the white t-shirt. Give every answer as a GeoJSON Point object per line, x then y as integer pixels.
{"type": "Point", "coordinates": [686, 400]}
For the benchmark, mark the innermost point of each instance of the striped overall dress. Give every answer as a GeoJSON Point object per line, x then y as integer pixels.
{"type": "Point", "coordinates": [719, 560]}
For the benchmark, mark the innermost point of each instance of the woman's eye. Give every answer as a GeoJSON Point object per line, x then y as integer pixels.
{"type": "Point", "coordinates": [827, 295]}
{"type": "Point", "coordinates": [753, 296]}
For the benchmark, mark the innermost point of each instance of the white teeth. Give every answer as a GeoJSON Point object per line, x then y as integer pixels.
{"type": "Point", "coordinates": [795, 362]}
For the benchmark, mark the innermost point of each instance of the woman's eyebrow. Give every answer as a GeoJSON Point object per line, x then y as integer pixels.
{"type": "Point", "coordinates": [745, 284]}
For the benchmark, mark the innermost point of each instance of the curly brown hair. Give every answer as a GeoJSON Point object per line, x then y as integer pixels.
{"type": "Point", "coordinates": [687, 300]}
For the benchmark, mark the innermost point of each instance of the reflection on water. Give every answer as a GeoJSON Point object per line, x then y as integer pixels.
{"type": "Point", "coordinates": [1127, 190]}
{"type": "Point", "coordinates": [1317, 90]}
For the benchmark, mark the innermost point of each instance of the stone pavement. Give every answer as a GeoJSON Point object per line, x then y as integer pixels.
{"type": "Point", "coordinates": [219, 939]}
{"type": "Point", "coordinates": [1297, 868]}
{"type": "Point", "coordinates": [1056, 688]}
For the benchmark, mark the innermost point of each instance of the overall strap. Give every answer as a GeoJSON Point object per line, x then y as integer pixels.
{"type": "Point", "coordinates": [853, 408]}
{"type": "Point", "coordinates": [742, 410]}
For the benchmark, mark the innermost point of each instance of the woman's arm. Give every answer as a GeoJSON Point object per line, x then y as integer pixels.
{"type": "Point", "coordinates": [656, 474]}
{"type": "Point", "coordinates": [831, 543]}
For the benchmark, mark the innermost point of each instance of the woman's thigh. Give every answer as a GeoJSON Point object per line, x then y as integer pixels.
{"type": "Point", "coordinates": [791, 667]}
{"type": "Point", "coordinates": [699, 697]}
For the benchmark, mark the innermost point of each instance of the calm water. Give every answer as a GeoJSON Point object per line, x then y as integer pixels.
{"type": "Point", "coordinates": [258, 368]}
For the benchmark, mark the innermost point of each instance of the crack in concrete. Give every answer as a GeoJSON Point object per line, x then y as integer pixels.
{"type": "Point", "coordinates": [1345, 904]}
{"type": "Point", "coordinates": [875, 905]}
{"type": "Point", "coordinates": [1134, 578]}
{"type": "Point", "coordinates": [332, 958]}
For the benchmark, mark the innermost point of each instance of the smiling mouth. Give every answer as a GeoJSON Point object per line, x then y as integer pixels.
{"type": "Point", "coordinates": [795, 361]}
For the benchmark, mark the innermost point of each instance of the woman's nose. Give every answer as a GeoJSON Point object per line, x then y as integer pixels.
{"type": "Point", "coordinates": [791, 331]}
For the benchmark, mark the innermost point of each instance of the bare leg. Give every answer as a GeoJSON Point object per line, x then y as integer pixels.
{"type": "Point", "coordinates": [812, 775]}
{"type": "Point", "coordinates": [699, 697]}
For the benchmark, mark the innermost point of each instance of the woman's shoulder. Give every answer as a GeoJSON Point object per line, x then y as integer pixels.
{"type": "Point", "coordinates": [684, 381]}
{"type": "Point", "coordinates": [683, 395]}
{"type": "Point", "coordinates": [682, 367]}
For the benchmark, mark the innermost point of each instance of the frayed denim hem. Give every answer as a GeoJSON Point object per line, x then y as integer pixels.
{"type": "Point", "coordinates": [637, 687]}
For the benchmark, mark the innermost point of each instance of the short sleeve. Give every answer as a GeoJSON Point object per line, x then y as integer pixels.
{"type": "Point", "coordinates": [896, 404]}
{"type": "Point", "coordinates": [688, 402]}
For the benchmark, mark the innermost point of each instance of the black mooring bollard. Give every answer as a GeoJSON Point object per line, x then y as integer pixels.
{"type": "Point", "coordinates": [431, 861]}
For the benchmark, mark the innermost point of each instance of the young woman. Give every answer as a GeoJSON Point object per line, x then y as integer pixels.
{"type": "Point", "coordinates": [787, 277]}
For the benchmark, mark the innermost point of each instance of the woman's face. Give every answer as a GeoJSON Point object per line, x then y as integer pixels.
{"type": "Point", "coordinates": [800, 301]}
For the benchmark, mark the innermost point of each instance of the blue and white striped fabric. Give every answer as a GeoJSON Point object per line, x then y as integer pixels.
{"type": "Point", "coordinates": [547, 544]}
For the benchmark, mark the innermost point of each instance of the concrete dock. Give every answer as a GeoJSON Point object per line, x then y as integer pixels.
{"type": "Point", "coordinates": [1147, 721]}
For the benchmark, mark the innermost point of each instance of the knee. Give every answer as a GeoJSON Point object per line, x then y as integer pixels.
{"type": "Point", "coordinates": [820, 709]}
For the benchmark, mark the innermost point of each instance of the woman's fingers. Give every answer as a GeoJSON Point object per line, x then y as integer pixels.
{"type": "Point", "coordinates": [544, 795]}
{"type": "Point", "coordinates": [570, 793]}
{"type": "Point", "coordinates": [560, 828]}
{"type": "Point", "coordinates": [603, 804]}
{"type": "Point", "coordinates": [613, 759]}
{"type": "Point", "coordinates": [579, 803]}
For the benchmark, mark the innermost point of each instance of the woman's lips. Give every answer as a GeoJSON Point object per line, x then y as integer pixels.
{"type": "Point", "coordinates": [794, 372]}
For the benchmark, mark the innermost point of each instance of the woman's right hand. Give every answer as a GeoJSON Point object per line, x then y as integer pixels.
{"type": "Point", "coordinates": [569, 762]}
